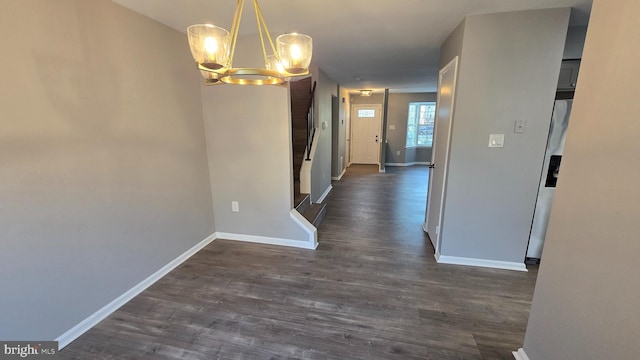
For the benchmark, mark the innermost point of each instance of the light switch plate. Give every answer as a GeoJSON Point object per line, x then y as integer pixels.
{"type": "Point", "coordinates": [520, 126]}
{"type": "Point", "coordinates": [496, 140]}
{"type": "Point", "coordinates": [392, 127]}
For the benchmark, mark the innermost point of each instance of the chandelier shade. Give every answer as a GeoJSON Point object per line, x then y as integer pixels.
{"type": "Point", "coordinates": [209, 45]}
{"type": "Point", "coordinates": [295, 52]}
{"type": "Point", "coordinates": [213, 49]}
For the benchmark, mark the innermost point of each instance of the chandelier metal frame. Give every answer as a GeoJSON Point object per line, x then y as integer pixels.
{"type": "Point", "coordinates": [275, 71]}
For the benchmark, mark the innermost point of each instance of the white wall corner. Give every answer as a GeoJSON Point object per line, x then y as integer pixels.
{"type": "Point", "coordinates": [311, 230]}
{"type": "Point", "coordinates": [305, 177]}
{"type": "Point", "coordinates": [301, 244]}
{"type": "Point", "coordinates": [324, 194]}
{"type": "Point", "coordinates": [437, 255]}
{"type": "Point", "coordinates": [424, 227]}
{"type": "Point", "coordinates": [520, 355]}
{"type": "Point", "coordinates": [494, 264]}
{"type": "Point", "coordinates": [93, 319]}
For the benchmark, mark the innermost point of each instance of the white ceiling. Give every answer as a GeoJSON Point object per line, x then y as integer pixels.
{"type": "Point", "coordinates": [386, 44]}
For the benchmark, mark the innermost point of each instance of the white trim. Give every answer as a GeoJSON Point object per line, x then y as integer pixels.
{"type": "Point", "coordinates": [311, 230]}
{"type": "Point", "coordinates": [438, 233]}
{"type": "Point", "coordinates": [437, 255]}
{"type": "Point", "coordinates": [520, 354]}
{"type": "Point", "coordinates": [324, 195]}
{"type": "Point", "coordinates": [494, 264]}
{"type": "Point", "coordinates": [408, 163]}
{"type": "Point", "coordinates": [93, 319]}
{"type": "Point", "coordinates": [265, 240]}
{"type": "Point", "coordinates": [338, 178]}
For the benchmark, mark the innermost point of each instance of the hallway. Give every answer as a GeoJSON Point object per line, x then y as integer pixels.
{"type": "Point", "coordinates": [372, 290]}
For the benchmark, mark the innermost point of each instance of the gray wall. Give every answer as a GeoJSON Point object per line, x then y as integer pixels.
{"type": "Point", "coordinates": [575, 42]}
{"type": "Point", "coordinates": [335, 137]}
{"type": "Point", "coordinates": [383, 130]}
{"type": "Point", "coordinates": [585, 304]}
{"type": "Point", "coordinates": [397, 138]}
{"type": "Point", "coordinates": [509, 70]}
{"type": "Point", "coordinates": [103, 166]}
{"type": "Point", "coordinates": [345, 120]}
{"type": "Point", "coordinates": [248, 130]}
{"type": "Point", "coordinates": [452, 47]}
{"type": "Point", "coordinates": [339, 136]}
{"type": "Point", "coordinates": [321, 170]}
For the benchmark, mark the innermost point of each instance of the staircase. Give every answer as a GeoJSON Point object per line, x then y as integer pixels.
{"type": "Point", "coordinates": [314, 213]}
{"type": "Point", "coordinates": [302, 94]}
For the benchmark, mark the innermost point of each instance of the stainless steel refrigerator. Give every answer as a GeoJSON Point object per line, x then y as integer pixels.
{"type": "Point", "coordinates": [549, 177]}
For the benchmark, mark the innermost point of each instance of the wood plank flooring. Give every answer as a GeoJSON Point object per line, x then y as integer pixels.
{"type": "Point", "coordinates": [372, 290]}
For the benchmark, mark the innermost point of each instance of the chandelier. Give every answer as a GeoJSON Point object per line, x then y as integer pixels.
{"type": "Point", "coordinates": [213, 49]}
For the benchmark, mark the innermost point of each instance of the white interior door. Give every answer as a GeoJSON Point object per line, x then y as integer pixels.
{"type": "Point", "coordinates": [365, 134]}
{"type": "Point", "coordinates": [440, 154]}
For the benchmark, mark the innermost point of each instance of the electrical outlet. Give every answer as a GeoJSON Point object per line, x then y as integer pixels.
{"type": "Point", "coordinates": [235, 207]}
{"type": "Point", "coordinates": [496, 140]}
{"type": "Point", "coordinates": [520, 126]}
{"type": "Point", "coordinates": [398, 153]}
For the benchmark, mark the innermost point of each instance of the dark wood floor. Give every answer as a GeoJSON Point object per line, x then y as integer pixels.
{"type": "Point", "coordinates": [372, 290]}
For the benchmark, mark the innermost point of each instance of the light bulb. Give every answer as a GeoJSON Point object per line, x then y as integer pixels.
{"type": "Point", "coordinates": [295, 51]}
{"type": "Point", "coordinates": [210, 45]}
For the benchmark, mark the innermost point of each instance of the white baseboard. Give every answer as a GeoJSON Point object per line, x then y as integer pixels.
{"type": "Point", "coordinates": [520, 355]}
{"type": "Point", "coordinates": [338, 178]}
{"type": "Point", "coordinates": [325, 194]}
{"type": "Point", "coordinates": [265, 240]}
{"type": "Point", "coordinates": [91, 321]}
{"type": "Point", "coordinates": [408, 164]}
{"type": "Point", "coordinates": [494, 264]}
{"type": "Point", "coordinates": [311, 230]}
{"type": "Point", "coordinates": [432, 240]}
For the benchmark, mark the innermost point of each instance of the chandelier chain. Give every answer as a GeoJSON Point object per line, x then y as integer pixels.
{"type": "Point", "coordinates": [235, 26]}
{"type": "Point", "coordinates": [266, 29]}
{"type": "Point", "coordinates": [214, 49]}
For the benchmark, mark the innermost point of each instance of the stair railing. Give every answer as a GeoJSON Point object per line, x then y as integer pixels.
{"type": "Point", "coordinates": [310, 128]}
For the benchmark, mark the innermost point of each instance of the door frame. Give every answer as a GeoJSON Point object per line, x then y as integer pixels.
{"type": "Point", "coordinates": [354, 116]}
{"type": "Point", "coordinates": [438, 236]}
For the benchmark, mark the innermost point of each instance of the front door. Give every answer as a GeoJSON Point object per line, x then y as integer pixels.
{"type": "Point", "coordinates": [440, 154]}
{"type": "Point", "coordinates": [365, 135]}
